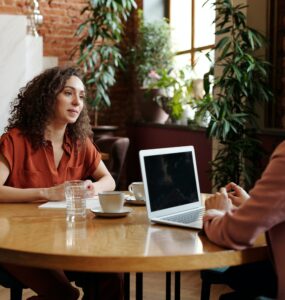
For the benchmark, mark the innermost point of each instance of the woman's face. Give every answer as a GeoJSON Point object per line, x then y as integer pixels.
{"type": "Point", "coordinates": [70, 101]}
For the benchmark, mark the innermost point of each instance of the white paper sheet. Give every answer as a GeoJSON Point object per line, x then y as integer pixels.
{"type": "Point", "coordinates": [90, 203]}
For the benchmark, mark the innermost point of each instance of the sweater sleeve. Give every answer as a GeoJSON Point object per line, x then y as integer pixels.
{"type": "Point", "coordinates": [264, 209]}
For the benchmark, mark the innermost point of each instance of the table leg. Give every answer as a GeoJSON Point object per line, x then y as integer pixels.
{"type": "Point", "coordinates": [126, 286]}
{"type": "Point", "coordinates": [177, 286]}
{"type": "Point", "coordinates": [168, 285]}
{"type": "Point", "coordinates": [139, 286]}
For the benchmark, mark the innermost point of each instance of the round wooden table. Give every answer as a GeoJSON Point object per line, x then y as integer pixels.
{"type": "Point", "coordinates": [42, 238]}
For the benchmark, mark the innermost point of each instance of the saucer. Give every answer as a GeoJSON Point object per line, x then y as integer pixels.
{"type": "Point", "coordinates": [133, 201]}
{"type": "Point", "coordinates": [100, 213]}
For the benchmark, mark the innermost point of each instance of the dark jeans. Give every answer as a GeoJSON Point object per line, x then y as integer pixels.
{"type": "Point", "coordinates": [99, 286]}
{"type": "Point", "coordinates": [251, 280]}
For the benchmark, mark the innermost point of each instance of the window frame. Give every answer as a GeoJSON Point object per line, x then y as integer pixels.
{"type": "Point", "coordinates": [193, 49]}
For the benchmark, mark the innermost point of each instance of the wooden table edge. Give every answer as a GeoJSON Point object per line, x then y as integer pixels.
{"type": "Point", "coordinates": [189, 262]}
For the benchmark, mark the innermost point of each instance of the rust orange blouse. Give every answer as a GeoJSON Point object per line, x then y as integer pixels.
{"type": "Point", "coordinates": [36, 168]}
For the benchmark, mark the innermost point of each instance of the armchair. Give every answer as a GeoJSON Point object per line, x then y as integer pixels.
{"type": "Point", "coordinates": [117, 148]}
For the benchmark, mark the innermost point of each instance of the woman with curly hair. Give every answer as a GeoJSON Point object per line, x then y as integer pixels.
{"type": "Point", "coordinates": [47, 142]}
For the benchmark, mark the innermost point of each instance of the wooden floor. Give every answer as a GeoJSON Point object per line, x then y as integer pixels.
{"type": "Point", "coordinates": [154, 287]}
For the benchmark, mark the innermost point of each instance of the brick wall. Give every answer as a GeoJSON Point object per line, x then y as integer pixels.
{"type": "Point", "coordinates": [60, 20]}
{"type": "Point", "coordinates": [13, 7]}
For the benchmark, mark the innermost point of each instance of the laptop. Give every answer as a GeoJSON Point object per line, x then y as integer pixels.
{"type": "Point", "coordinates": [171, 186]}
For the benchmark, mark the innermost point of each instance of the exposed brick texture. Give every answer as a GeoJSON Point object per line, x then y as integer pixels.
{"type": "Point", "coordinates": [61, 18]}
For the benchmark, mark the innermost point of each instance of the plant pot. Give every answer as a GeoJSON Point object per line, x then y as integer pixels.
{"type": "Point", "coordinates": [149, 108]}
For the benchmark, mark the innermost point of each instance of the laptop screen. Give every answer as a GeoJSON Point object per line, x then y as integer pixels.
{"type": "Point", "coordinates": [171, 179]}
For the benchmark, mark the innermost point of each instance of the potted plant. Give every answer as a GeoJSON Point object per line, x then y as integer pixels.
{"type": "Point", "coordinates": [240, 86]}
{"type": "Point", "coordinates": [152, 51]}
{"type": "Point", "coordinates": [176, 92]}
{"type": "Point", "coordinates": [100, 35]}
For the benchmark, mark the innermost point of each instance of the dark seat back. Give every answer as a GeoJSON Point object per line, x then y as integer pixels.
{"type": "Point", "coordinates": [117, 148]}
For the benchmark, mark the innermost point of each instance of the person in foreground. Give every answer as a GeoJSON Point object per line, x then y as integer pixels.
{"type": "Point", "coordinates": [47, 142]}
{"type": "Point", "coordinates": [234, 219]}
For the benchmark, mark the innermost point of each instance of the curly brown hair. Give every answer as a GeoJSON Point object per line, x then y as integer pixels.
{"type": "Point", "coordinates": [32, 108]}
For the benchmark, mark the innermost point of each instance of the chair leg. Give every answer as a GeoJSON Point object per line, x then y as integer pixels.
{"type": "Point", "coordinates": [205, 290]}
{"type": "Point", "coordinates": [16, 293]}
{"type": "Point", "coordinates": [168, 286]}
{"type": "Point", "coordinates": [139, 286]}
{"type": "Point", "coordinates": [126, 286]}
{"type": "Point", "coordinates": [177, 285]}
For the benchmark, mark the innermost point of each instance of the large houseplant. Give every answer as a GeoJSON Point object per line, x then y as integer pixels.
{"type": "Point", "coordinates": [241, 84]}
{"type": "Point", "coordinates": [100, 35]}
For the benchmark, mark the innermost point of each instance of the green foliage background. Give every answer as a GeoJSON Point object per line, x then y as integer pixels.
{"type": "Point", "coordinates": [242, 83]}
{"type": "Point", "coordinates": [100, 36]}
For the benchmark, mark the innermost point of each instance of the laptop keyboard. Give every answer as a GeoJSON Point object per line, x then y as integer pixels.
{"type": "Point", "coordinates": [187, 217]}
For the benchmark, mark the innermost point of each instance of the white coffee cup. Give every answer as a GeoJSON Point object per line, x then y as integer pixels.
{"type": "Point", "coordinates": [137, 188]}
{"type": "Point", "coordinates": [111, 202]}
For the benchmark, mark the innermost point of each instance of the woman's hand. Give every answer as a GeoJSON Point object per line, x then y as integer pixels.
{"type": "Point", "coordinates": [90, 188]}
{"type": "Point", "coordinates": [237, 194]}
{"type": "Point", "coordinates": [55, 193]}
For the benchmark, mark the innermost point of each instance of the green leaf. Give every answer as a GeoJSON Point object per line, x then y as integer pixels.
{"type": "Point", "coordinates": [223, 31]}
{"type": "Point", "coordinates": [251, 39]}
{"type": "Point", "coordinates": [222, 42]}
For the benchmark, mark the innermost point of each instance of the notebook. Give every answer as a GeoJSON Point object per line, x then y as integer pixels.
{"type": "Point", "coordinates": [171, 186]}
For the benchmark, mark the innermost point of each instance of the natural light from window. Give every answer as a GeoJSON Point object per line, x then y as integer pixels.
{"type": "Point", "coordinates": [181, 25]}
{"type": "Point", "coordinates": [193, 34]}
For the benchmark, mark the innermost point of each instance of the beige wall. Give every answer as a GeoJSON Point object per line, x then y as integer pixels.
{"type": "Point", "coordinates": [257, 15]}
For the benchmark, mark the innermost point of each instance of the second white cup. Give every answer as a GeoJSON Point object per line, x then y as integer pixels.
{"type": "Point", "coordinates": [137, 188]}
{"type": "Point", "coordinates": [111, 202]}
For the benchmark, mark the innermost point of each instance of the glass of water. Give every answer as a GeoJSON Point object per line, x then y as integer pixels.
{"type": "Point", "coordinates": [75, 195]}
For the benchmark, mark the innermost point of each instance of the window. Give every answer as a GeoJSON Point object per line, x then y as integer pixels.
{"type": "Point", "coordinates": [193, 33]}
